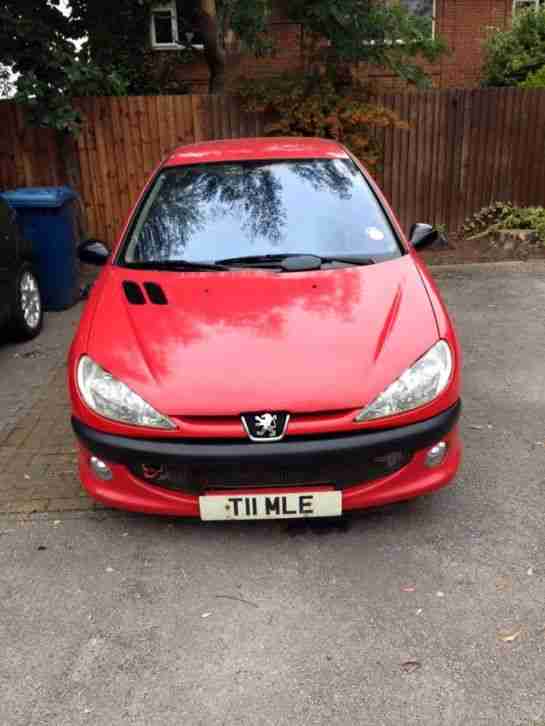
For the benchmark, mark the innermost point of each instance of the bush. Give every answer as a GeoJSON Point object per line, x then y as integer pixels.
{"type": "Point", "coordinates": [512, 55]}
{"type": "Point", "coordinates": [527, 218]}
{"type": "Point", "coordinates": [321, 105]}
{"type": "Point", "coordinates": [535, 80]}
{"type": "Point", "coordinates": [504, 215]}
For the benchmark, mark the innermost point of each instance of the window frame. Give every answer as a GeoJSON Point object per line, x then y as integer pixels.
{"type": "Point", "coordinates": [169, 6]}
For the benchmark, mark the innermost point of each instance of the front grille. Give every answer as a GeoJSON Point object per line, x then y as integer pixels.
{"type": "Point", "coordinates": [340, 471]}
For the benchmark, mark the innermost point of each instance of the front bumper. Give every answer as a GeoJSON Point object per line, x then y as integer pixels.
{"type": "Point", "coordinates": [128, 491]}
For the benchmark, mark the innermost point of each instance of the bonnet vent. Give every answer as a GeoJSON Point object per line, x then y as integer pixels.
{"type": "Point", "coordinates": [133, 293]}
{"type": "Point", "coordinates": [155, 293]}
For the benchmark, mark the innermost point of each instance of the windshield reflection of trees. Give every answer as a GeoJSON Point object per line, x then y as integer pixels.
{"type": "Point", "coordinates": [252, 194]}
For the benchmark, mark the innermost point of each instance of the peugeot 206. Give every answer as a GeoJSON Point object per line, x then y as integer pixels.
{"type": "Point", "coordinates": [264, 342]}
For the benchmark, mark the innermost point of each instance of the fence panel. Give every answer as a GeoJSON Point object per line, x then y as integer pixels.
{"type": "Point", "coordinates": [464, 149]}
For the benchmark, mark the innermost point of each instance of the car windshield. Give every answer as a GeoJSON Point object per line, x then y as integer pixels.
{"type": "Point", "coordinates": [214, 212]}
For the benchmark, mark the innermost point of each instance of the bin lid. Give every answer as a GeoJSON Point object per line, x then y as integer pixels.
{"type": "Point", "coordinates": [39, 196]}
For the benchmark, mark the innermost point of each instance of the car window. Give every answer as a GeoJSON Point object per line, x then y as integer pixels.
{"type": "Point", "coordinates": [216, 211]}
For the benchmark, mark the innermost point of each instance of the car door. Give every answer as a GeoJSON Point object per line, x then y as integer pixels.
{"type": "Point", "coordinates": [8, 257]}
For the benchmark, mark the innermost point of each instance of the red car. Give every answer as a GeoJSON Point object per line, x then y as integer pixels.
{"type": "Point", "coordinates": [264, 343]}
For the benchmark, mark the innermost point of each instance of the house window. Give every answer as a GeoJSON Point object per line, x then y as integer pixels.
{"type": "Point", "coordinates": [172, 29]}
{"type": "Point", "coordinates": [423, 9]}
{"type": "Point", "coordinates": [521, 5]}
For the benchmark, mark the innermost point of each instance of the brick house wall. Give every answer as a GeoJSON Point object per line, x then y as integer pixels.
{"type": "Point", "coordinates": [462, 23]}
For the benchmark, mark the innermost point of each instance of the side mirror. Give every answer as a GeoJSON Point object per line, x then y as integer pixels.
{"type": "Point", "coordinates": [93, 252]}
{"type": "Point", "coordinates": [424, 235]}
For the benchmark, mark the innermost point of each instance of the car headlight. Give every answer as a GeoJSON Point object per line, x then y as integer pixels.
{"type": "Point", "coordinates": [420, 384]}
{"type": "Point", "coordinates": [113, 399]}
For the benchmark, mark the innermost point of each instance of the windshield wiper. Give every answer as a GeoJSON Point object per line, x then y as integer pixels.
{"type": "Point", "coordinates": [350, 259]}
{"type": "Point", "coordinates": [176, 265]}
{"type": "Point", "coordinates": [295, 261]}
{"type": "Point", "coordinates": [255, 259]}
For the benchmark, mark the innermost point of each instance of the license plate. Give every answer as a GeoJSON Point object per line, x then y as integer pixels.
{"type": "Point", "coordinates": [271, 506]}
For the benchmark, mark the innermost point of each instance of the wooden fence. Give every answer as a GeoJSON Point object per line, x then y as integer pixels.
{"type": "Point", "coordinates": [464, 150]}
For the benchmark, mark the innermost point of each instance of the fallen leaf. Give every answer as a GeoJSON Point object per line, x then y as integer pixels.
{"type": "Point", "coordinates": [530, 571]}
{"type": "Point", "coordinates": [409, 588]}
{"type": "Point", "coordinates": [109, 569]}
{"type": "Point", "coordinates": [41, 548]}
{"type": "Point", "coordinates": [509, 636]}
{"type": "Point", "coordinates": [419, 611]}
{"type": "Point", "coordinates": [125, 534]}
{"type": "Point", "coordinates": [206, 615]}
{"type": "Point", "coordinates": [477, 428]}
{"type": "Point", "coordinates": [27, 476]}
{"type": "Point", "coordinates": [503, 583]}
{"type": "Point", "coordinates": [411, 666]}
{"type": "Point", "coordinates": [439, 593]}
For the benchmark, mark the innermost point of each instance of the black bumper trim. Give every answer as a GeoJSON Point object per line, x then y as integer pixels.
{"type": "Point", "coordinates": [123, 450]}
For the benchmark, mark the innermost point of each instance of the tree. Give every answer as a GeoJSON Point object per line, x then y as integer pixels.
{"type": "Point", "coordinates": [34, 35]}
{"type": "Point", "coordinates": [38, 37]}
{"type": "Point", "coordinates": [38, 45]}
{"type": "Point", "coordinates": [511, 56]}
{"type": "Point", "coordinates": [351, 32]}
{"type": "Point", "coordinates": [336, 31]}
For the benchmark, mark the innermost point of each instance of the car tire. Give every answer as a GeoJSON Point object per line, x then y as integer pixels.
{"type": "Point", "coordinates": [27, 306]}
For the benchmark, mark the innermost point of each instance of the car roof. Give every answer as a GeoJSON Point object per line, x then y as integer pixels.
{"type": "Point", "coordinates": [256, 149]}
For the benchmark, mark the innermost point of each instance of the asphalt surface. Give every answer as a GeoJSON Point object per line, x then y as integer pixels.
{"type": "Point", "coordinates": [430, 612]}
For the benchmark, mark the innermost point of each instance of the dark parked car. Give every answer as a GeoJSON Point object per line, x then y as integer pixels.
{"type": "Point", "coordinates": [21, 309]}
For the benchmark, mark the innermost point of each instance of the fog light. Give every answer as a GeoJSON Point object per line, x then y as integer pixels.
{"type": "Point", "coordinates": [100, 469]}
{"type": "Point", "coordinates": [436, 455]}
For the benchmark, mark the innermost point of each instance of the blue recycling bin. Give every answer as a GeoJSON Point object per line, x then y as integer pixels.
{"type": "Point", "coordinates": [47, 217]}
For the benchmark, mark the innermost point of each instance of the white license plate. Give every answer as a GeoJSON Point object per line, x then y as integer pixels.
{"type": "Point", "coordinates": [271, 506]}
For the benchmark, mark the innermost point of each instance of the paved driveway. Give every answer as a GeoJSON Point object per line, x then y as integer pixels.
{"type": "Point", "coordinates": [430, 612]}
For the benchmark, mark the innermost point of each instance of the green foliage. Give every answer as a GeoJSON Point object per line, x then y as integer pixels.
{"type": "Point", "coordinates": [40, 44]}
{"type": "Point", "coordinates": [504, 215]}
{"type": "Point", "coordinates": [321, 105]}
{"type": "Point", "coordinates": [121, 47]}
{"type": "Point", "coordinates": [361, 31]}
{"type": "Point", "coordinates": [535, 80]}
{"type": "Point", "coordinates": [48, 105]}
{"type": "Point", "coordinates": [249, 20]}
{"type": "Point", "coordinates": [35, 43]}
{"type": "Point", "coordinates": [44, 46]}
{"type": "Point", "coordinates": [512, 55]}
{"type": "Point", "coordinates": [527, 218]}
{"type": "Point", "coordinates": [32, 34]}
{"type": "Point", "coordinates": [326, 99]}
